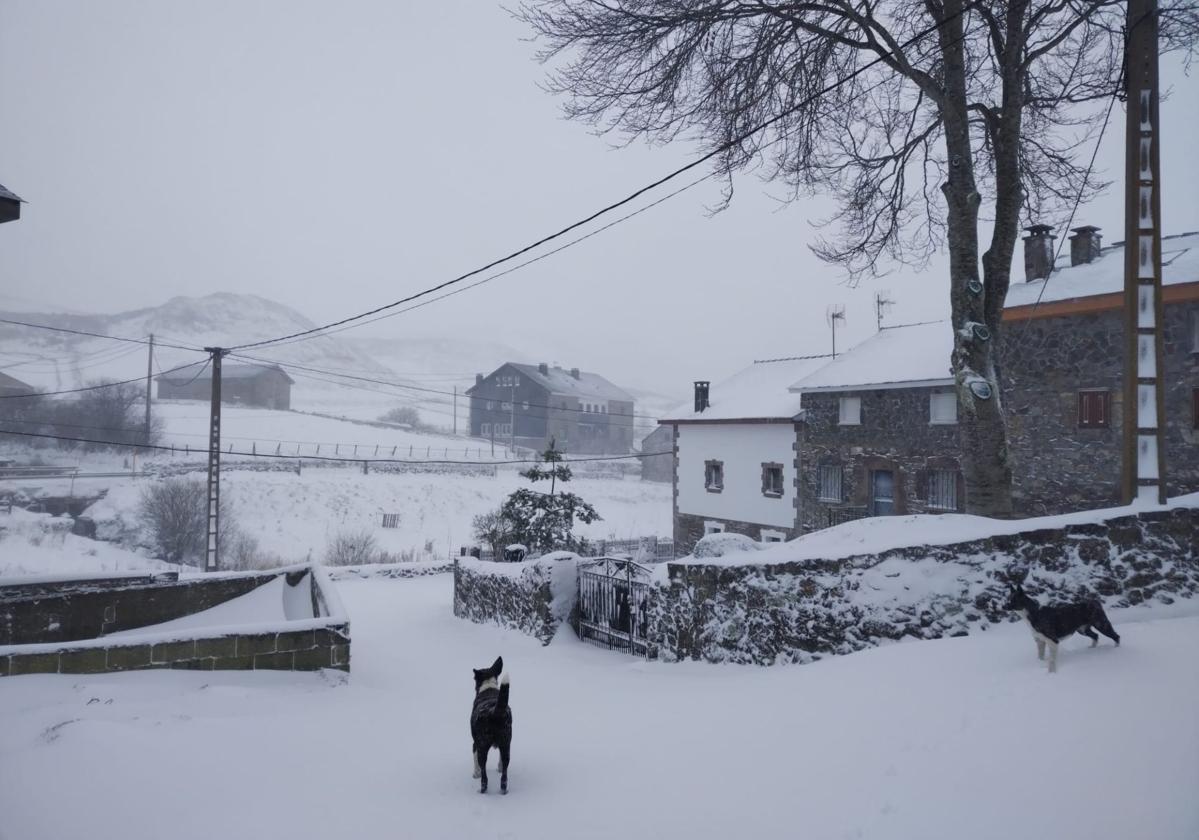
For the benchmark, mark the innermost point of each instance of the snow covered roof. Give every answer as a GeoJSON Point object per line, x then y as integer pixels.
{"type": "Point", "coordinates": [1105, 275]}
{"type": "Point", "coordinates": [759, 392]}
{"type": "Point", "coordinates": [902, 356]}
{"type": "Point", "coordinates": [227, 372]}
{"type": "Point", "coordinates": [560, 381]}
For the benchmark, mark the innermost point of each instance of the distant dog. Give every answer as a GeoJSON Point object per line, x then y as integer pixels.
{"type": "Point", "coordinates": [491, 722]}
{"type": "Point", "coordinates": [1052, 624]}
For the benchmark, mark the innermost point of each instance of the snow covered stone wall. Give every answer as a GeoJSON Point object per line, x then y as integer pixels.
{"type": "Point", "coordinates": [534, 597]}
{"type": "Point", "coordinates": [790, 604]}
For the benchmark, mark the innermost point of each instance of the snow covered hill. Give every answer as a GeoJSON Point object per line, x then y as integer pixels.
{"type": "Point", "coordinates": [943, 740]}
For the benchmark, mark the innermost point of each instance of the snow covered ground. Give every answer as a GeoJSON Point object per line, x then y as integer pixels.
{"type": "Point", "coordinates": [955, 738]}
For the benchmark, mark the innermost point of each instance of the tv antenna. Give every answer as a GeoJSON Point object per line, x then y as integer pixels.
{"type": "Point", "coordinates": [881, 304]}
{"type": "Point", "coordinates": [833, 313]}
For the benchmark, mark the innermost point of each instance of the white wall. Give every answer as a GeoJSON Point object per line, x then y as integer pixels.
{"type": "Point", "coordinates": [743, 448]}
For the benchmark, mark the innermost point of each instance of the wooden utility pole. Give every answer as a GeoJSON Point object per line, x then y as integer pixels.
{"type": "Point", "coordinates": [211, 543]}
{"type": "Point", "coordinates": [1144, 475]}
{"type": "Point", "coordinates": [149, 385]}
{"type": "Point", "coordinates": [455, 409]}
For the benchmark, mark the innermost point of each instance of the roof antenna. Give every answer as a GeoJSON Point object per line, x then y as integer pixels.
{"type": "Point", "coordinates": [833, 313]}
{"type": "Point", "coordinates": [881, 304]}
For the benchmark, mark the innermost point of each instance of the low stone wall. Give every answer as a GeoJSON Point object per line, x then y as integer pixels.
{"type": "Point", "coordinates": [799, 611]}
{"type": "Point", "coordinates": [534, 597]}
{"type": "Point", "coordinates": [61, 626]}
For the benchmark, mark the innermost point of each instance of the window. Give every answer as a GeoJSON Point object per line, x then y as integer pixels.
{"type": "Point", "coordinates": [943, 408]}
{"type": "Point", "coordinates": [714, 476]}
{"type": "Point", "coordinates": [1094, 409]}
{"type": "Point", "coordinates": [485, 429]}
{"type": "Point", "coordinates": [772, 536]}
{"type": "Point", "coordinates": [505, 406]}
{"type": "Point", "coordinates": [490, 405]}
{"type": "Point", "coordinates": [713, 527]}
{"type": "Point", "coordinates": [772, 480]}
{"type": "Point", "coordinates": [851, 411]}
{"type": "Point", "coordinates": [524, 406]}
{"type": "Point", "coordinates": [942, 490]}
{"type": "Point", "coordinates": [829, 477]}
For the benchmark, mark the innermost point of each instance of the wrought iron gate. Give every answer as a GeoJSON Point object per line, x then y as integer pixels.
{"type": "Point", "coordinates": [613, 604]}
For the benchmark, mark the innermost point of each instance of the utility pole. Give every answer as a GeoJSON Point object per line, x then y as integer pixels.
{"type": "Point", "coordinates": [149, 385]}
{"type": "Point", "coordinates": [211, 554]}
{"type": "Point", "coordinates": [1144, 475]}
{"type": "Point", "coordinates": [512, 419]}
{"type": "Point", "coordinates": [455, 409]}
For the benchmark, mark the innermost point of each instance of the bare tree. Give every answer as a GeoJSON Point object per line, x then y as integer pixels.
{"type": "Point", "coordinates": [946, 110]}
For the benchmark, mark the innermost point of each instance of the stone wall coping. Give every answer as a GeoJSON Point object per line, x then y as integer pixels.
{"type": "Point", "coordinates": [127, 639]}
{"type": "Point", "coordinates": [854, 539]}
{"type": "Point", "coordinates": [91, 577]}
{"type": "Point", "coordinates": [390, 570]}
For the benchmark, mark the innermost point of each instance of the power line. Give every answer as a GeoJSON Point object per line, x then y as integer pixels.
{"type": "Point", "coordinates": [96, 387]}
{"type": "Point", "coordinates": [95, 335]}
{"type": "Point", "coordinates": [720, 149]}
{"type": "Point", "coordinates": [162, 448]}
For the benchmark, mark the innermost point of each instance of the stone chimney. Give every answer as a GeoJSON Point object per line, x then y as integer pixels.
{"type": "Point", "coordinates": [1038, 252]}
{"type": "Point", "coordinates": [574, 372]}
{"type": "Point", "coordinates": [1085, 245]}
{"type": "Point", "coordinates": [543, 369]}
{"type": "Point", "coordinates": [478, 379]}
{"type": "Point", "coordinates": [701, 396]}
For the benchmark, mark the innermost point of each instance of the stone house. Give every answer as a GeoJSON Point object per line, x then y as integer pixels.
{"type": "Point", "coordinates": [658, 467]}
{"type": "Point", "coordinates": [259, 386]}
{"type": "Point", "coordinates": [528, 405]}
{"type": "Point", "coordinates": [879, 429]}
{"type": "Point", "coordinates": [736, 464]}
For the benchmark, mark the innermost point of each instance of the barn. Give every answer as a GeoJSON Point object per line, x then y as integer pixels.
{"type": "Point", "coordinates": [259, 386]}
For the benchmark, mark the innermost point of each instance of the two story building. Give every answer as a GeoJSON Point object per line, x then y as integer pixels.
{"type": "Point", "coordinates": [529, 405]}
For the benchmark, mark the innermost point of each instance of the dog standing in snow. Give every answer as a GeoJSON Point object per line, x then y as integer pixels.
{"type": "Point", "coordinates": [1052, 624]}
{"type": "Point", "coordinates": [491, 722]}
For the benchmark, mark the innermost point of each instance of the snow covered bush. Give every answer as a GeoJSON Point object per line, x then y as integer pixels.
{"type": "Point", "coordinates": [718, 545]}
{"type": "Point", "coordinates": [352, 548]}
{"type": "Point", "coordinates": [173, 515]}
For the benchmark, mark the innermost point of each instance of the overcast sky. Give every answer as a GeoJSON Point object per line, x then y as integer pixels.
{"type": "Point", "coordinates": [335, 156]}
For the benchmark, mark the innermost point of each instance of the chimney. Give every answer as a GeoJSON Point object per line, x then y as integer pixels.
{"type": "Point", "coordinates": [1038, 252]}
{"type": "Point", "coordinates": [574, 372]}
{"type": "Point", "coordinates": [701, 396]}
{"type": "Point", "coordinates": [1085, 245]}
{"type": "Point", "coordinates": [478, 379]}
{"type": "Point", "coordinates": [543, 369]}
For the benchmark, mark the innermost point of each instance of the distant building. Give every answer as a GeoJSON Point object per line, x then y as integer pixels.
{"type": "Point", "coordinates": [260, 386]}
{"type": "Point", "coordinates": [658, 467]}
{"type": "Point", "coordinates": [10, 205]}
{"type": "Point", "coordinates": [10, 387]}
{"type": "Point", "coordinates": [531, 404]}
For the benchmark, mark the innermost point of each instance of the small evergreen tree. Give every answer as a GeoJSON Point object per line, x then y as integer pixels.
{"type": "Point", "coordinates": [544, 521]}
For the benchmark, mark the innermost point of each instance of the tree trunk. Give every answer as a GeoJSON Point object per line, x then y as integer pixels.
{"type": "Point", "coordinates": [981, 421]}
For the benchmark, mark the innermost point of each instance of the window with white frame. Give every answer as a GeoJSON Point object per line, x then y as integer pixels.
{"type": "Point", "coordinates": [714, 476]}
{"type": "Point", "coordinates": [772, 480]}
{"type": "Point", "coordinates": [943, 408]}
{"type": "Point", "coordinates": [943, 489]}
{"type": "Point", "coordinates": [851, 411]}
{"type": "Point", "coordinates": [829, 477]}
{"type": "Point", "coordinates": [713, 527]}
{"type": "Point", "coordinates": [772, 536]}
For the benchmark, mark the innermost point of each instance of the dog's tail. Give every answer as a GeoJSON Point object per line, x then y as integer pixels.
{"type": "Point", "coordinates": [501, 703]}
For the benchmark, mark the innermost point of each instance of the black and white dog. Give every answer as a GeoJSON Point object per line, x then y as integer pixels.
{"type": "Point", "coordinates": [1052, 624]}
{"type": "Point", "coordinates": [491, 722]}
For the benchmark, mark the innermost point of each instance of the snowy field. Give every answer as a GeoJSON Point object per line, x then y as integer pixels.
{"type": "Point", "coordinates": [959, 738]}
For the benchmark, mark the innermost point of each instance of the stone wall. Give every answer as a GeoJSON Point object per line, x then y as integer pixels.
{"type": "Point", "coordinates": [534, 597]}
{"type": "Point", "coordinates": [1045, 362]}
{"type": "Point", "coordinates": [63, 626]}
{"type": "Point", "coordinates": [800, 611]}
{"type": "Point", "coordinates": [894, 434]}
{"type": "Point", "coordinates": [689, 529]}
{"type": "Point", "coordinates": [390, 570]}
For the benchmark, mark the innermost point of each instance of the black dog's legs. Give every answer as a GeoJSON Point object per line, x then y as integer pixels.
{"type": "Point", "coordinates": [483, 769]}
{"type": "Point", "coordinates": [1090, 634]}
{"type": "Point", "coordinates": [505, 754]}
{"type": "Point", "coordinates": [1105, 627]}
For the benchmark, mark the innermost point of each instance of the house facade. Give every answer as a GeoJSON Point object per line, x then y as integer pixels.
{"type": "Point", "coordinates": [736, 455]}
{"type": "Point", "coordinates": [530, 405]}
{"type": "Point", "coordinates": [658, 467]}
{"type": "Point", "coordinates": [259, 386]}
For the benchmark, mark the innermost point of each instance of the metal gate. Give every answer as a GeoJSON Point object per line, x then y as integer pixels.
{"type": "Point", "coordinates": [613, 602]}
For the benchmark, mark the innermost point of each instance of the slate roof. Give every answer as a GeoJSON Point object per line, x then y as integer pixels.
{"type": "Point", "coordinates": [10, 383]}
{"type": "Point", "coordinates": [588, 386]}
{"type": "Point", "coordinates": [227, 372]}
{"type": "Point", "coordinates": [9, 194]}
